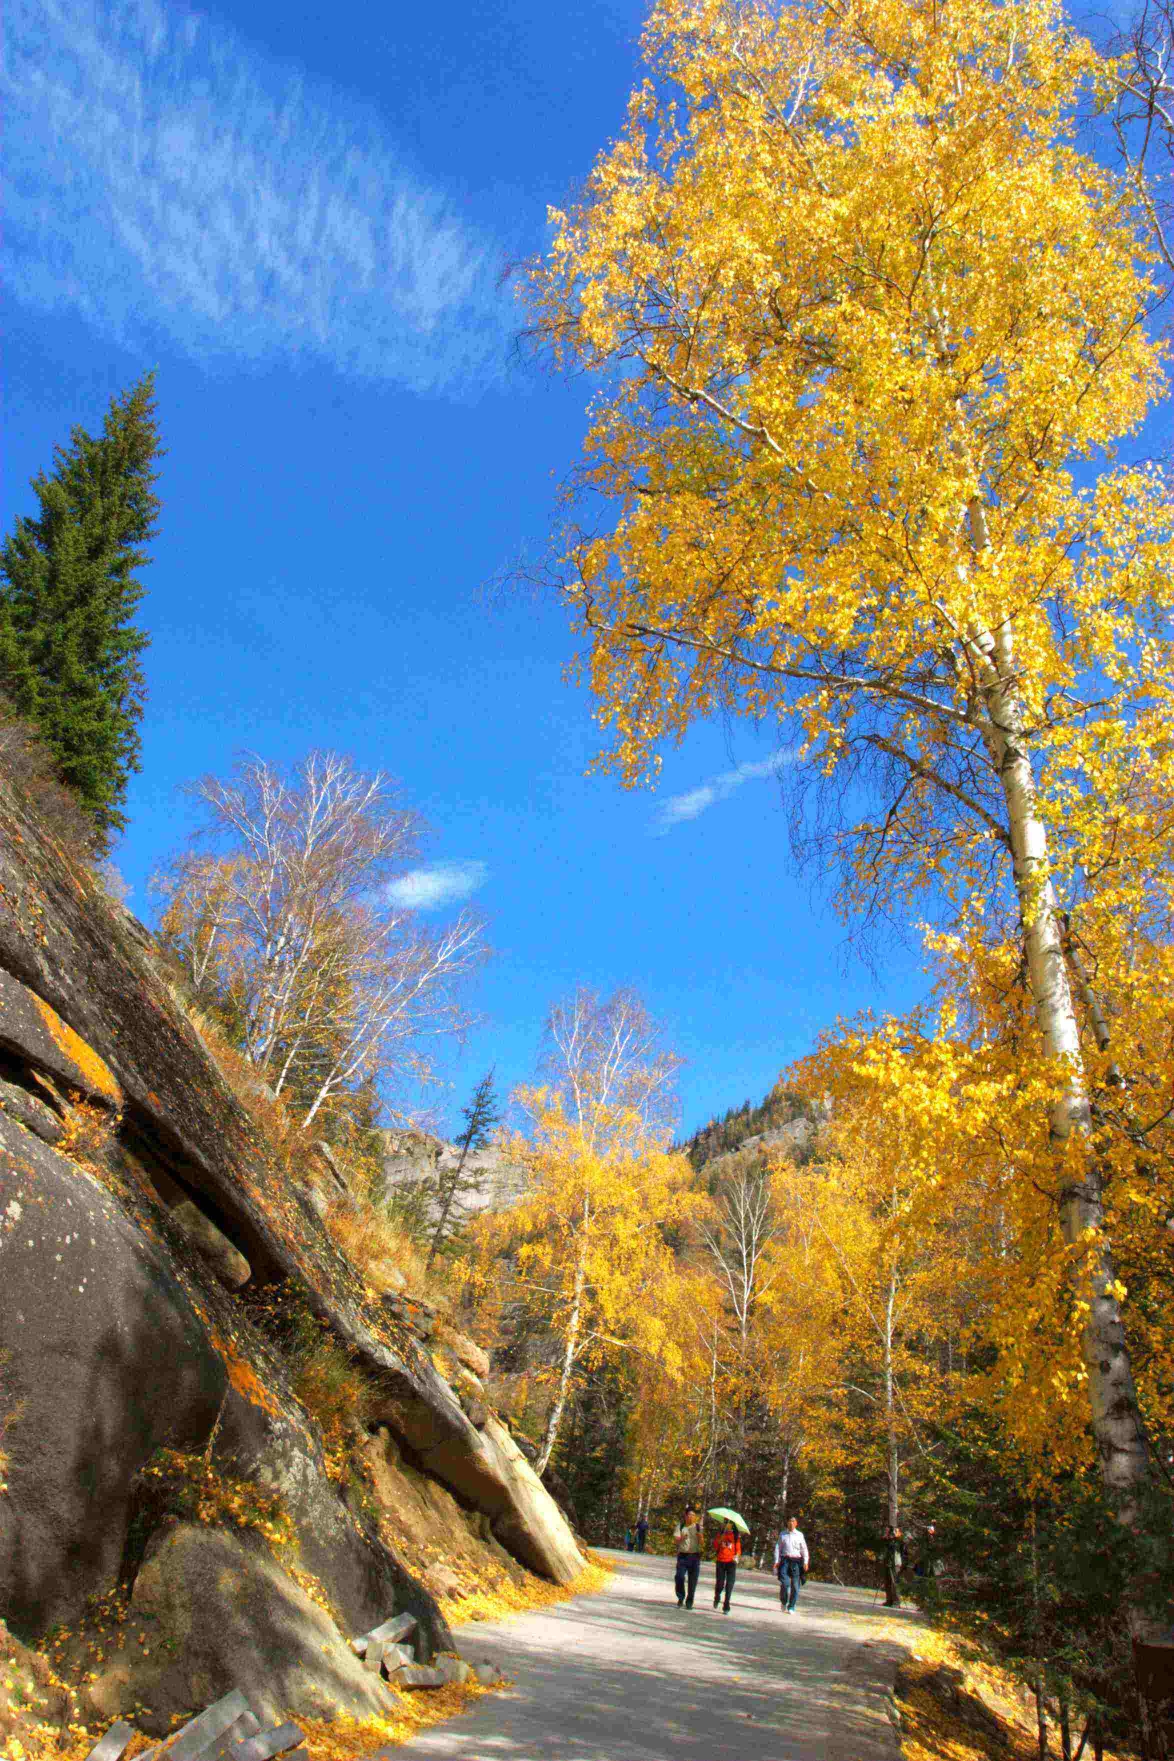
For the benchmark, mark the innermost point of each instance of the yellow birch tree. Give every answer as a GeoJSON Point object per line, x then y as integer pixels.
{"type": "Point", "coordinates": [587, 1239]}
{"type": "Point", "coordinates": [860, 306]}
{"type": "Point", "coordinates": [888, 1274]}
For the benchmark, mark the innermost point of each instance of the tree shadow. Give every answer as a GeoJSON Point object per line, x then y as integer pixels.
{"type": "Point", "coordinates": [627, 1675]}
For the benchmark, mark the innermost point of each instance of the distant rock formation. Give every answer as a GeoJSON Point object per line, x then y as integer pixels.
{"type": "Point", "coordinates": [416, 1161]}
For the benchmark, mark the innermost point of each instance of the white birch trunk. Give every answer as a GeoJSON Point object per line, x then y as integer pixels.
{"type": "Point", "coordinates": [892, 1463]}
{"type": "Point", "coordinates": [1116, 1419]}
{"type": "Point", "coordinates": [570, 1353]}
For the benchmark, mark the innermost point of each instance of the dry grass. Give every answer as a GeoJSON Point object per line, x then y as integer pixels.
{"type": "Point", "coordinates": [385, 1257]}
{"type": "Point", "coordinates": [26, 762]}
{"type": "Point", "coordinates": [334, 1393]}
{"type": "Point", "coordinates": [267, 1110]}
{"type": "Point", "coordinates": [505, 1598]}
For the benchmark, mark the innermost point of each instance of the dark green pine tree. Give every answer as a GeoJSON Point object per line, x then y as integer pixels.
{"type": "Point", "coordinates": [480, 1116]}
{"type": "Point", "coordinates": [69, 652]}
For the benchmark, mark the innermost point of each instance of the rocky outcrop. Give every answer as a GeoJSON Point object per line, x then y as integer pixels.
{"type": "Point", "coordinates": [117, 1347]}
{"type": "Point", "coordinates": [791, 1139]}
{"type": "Point", "coordinates": [533, 1527]}
{"type": "Point", "coordinates": [210, 1613]}
{"type": "Point", "coordinates": [35, 1034]}
{"type": "Point", "coordinates": [106, 1360]}
{"type": "Point", "coordinates": [415, 1160]}
{"type": "Point", "coordinates": [136, 1195]}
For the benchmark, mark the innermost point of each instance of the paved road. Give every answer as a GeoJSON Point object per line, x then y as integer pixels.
{"type": "Point", "coordinates": [627, 1676]}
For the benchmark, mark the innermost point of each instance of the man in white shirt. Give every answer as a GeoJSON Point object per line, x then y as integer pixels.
{"type": "Point", "coordinates": [791, 1561]}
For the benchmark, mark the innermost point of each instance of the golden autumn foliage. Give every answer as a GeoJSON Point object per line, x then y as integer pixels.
{"type": "Point", "coordinates": [586, 1244]}
{"type": "Point", "coordinates": [504, 1598]}
{"type": "Point", "coordinates": [868, 318]}
{"type": "Point", "coordinates": [191, 1487]}
{"type": "Point", "coordinates": [861, 281]}
{"type": "Point", "coordinates": [968, 1117]}
{"type": "Point", "coordinates": [882, 1276]}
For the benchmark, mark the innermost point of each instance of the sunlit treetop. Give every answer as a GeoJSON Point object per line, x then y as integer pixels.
{"type": "Point", "coordinates": [859, 305]}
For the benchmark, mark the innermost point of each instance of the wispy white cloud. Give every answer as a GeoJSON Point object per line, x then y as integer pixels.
{"type": "Point", "coordinates": [165, 180]}
{"type": "Point", "coordinates": [679, 808]}
{"type": "Point", "coordinates": [445, 883]}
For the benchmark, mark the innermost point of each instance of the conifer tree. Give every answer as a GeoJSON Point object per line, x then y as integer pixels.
{"type": "Point", "coordinates": [480, 1116]}
{"type": "Point", "coordinates": [69, 652]}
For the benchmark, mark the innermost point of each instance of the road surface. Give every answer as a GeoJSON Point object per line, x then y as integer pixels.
{"type": "Point", "coordinates": [626, 1675]}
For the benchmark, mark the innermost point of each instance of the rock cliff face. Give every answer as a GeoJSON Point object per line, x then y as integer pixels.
{"type": "Point", "coordinates": [140, 1209]}
{"type": "Point", "coordinates": [417, 1161]}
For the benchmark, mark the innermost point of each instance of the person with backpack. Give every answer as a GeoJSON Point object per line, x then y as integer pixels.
{"type": "Point", "coordinates": [791, 1562]}
{"type": "Point", "coordinates": [727, 1551]}
{"type": "Point", "coordinates": [688, 1536]}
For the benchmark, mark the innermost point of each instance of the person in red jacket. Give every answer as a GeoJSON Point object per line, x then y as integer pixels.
{"type": "Point", "coordinates": [727, 1551]}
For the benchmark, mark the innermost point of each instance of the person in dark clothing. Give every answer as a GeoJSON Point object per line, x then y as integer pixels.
{"type": "Point", "coordinates": [641, 1534]}
{"type": "Point", "coordinates": [688, 1537]}
{"type": "Point", "coordinates": [727, 1552]}
{"type": "Point", "coordinates": [894, 1555]}
{"type": "Point", "coordinates": [925, 1553]}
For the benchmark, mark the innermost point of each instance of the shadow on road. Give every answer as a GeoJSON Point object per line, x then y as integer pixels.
{"type": "Point", "coordinates": [627, 1676]}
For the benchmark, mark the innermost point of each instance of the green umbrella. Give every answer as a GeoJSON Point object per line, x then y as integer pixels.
{"type": "Point", "coordinates": [729, 1516]}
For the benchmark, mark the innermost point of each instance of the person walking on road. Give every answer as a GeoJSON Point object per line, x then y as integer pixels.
{"type": "Point", "coordinates": [641, 1534]}
{"type": "Point", "coordinates": [791, 1562]}
{"type": "Point", "coordinates": [727, 1553]}
{"type": "Point", "coordinates": [688, 1537]}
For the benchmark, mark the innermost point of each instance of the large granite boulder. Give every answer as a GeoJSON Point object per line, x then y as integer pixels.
{"type": "Point", "coordinates": [115, 1346]}
{"type": "Point", "coordinates": [486, 1469]}
{"type": "Point", "coordinates": [264, 1442]}
{"type": "Point", "coordinates": [105, 1361]}
{"type": "Point", "coordinates": [210, 1612]}
{"type": "Point", "coordinates": [532, 1526]}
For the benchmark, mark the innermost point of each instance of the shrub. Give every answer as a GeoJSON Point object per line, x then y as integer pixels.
{"type": "Point", "coordinates": [89, 1132]}
{"type": "Point", "coordinates": [329, 1385]}
{"type": "Point", "coordinates": [334, 1393]}
{"type": "Point", "coordinates": [190, 1487]}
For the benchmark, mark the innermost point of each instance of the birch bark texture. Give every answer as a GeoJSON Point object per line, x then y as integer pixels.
{"type": "Point", "coordinates": [859, 302]}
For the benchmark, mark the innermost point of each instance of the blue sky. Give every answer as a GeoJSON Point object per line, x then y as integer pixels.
{"type": "Point", "coordinates": [300, 216]}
